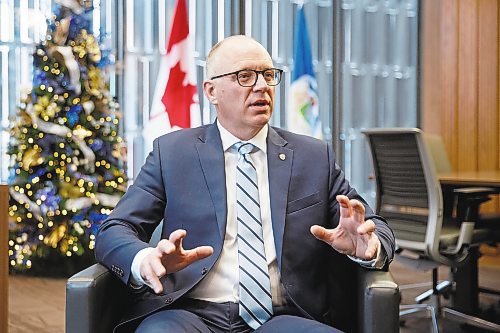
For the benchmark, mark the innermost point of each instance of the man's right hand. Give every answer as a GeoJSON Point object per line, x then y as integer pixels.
{"type": "Point", "coordinates": [169, 257]}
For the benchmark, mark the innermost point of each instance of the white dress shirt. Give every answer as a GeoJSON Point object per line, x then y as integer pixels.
{"type": "Point", "coordinates": [222, 283]}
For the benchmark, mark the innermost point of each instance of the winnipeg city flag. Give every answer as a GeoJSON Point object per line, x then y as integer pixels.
{"type": "Point", "coordinates": [303, 112]}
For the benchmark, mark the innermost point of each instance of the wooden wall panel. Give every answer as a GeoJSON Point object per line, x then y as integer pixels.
{"type": "Point", "coordinates": [430, 73]}
{"type": "Point", "coordinates": [467, 86]}
{"type": "Point", "coordinates": [488, 109]}
{"type": "Point", "coordinates": [460, 82]}
{"type": "Point", "coordinates": [447, 77]}
{"type": "Point", "coordinates": [488, 85]}
{"type": "Point", "coordinates": [494, 3]}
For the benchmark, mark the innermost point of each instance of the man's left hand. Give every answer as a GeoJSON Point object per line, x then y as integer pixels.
{"type": "Point", "coordinates": [353, 236]}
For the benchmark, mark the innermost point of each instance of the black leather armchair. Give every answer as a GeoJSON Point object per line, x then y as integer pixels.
{"type": "Point", "coordinates": [95, 299]}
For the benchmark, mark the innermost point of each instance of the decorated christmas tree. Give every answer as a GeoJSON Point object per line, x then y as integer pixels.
{"type": "Point", "coordinates": [67, 158]}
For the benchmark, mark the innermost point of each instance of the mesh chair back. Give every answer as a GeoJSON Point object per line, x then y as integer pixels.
{"type": "Point", "coordinates": [408, 193]}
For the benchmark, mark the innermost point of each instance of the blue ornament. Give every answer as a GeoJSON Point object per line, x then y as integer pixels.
{"type": "Point", "coordinates": [79, 217]}
{"type": "Point", "coordinates": [77, 108]}
{"type": "Point", "coordinates": [96, 145]}
{"type": "Point", "coordinates": [72, 118]}
{"type": "Point", "coordinates": [51, 201]}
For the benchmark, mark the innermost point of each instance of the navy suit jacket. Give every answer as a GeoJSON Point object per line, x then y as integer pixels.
{"type": "Point", "coordinates": [183, 183]}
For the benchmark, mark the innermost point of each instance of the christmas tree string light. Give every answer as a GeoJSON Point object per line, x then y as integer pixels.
{"type": "Point", "coordinates": [66, 157]}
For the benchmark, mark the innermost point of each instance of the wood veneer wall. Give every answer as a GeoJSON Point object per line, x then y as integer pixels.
{"type": "Point", "coordinates": [460, 75]}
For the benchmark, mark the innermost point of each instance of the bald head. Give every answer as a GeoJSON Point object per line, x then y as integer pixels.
{"type": "Point", "coordinates": [222, 55]}
{"type": "Point", "coordinates": [242, 110]}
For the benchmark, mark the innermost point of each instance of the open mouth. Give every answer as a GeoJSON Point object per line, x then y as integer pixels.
{"type": "Point", "coordinates": [260, 103]}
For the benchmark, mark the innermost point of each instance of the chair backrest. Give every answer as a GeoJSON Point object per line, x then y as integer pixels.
{"type": "Point", "coordinates": [408, 190]}
{"type": "Point", "coordinates": [438, 152]}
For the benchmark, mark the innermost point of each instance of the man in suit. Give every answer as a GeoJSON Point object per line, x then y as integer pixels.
{"type": "Point", "coordinates": [200, 277]}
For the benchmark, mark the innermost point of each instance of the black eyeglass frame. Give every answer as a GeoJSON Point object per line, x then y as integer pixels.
{"type": "Point", "coordinates": [280, 71]}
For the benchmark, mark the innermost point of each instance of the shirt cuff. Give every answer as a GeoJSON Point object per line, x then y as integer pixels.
{"type": "Point", "coordinates": [136, 281]}
{"type": "Point", "coordinates": [377, 262]}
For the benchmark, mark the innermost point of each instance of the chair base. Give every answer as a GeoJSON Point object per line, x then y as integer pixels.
{"type": "Point", "coordinates": [470, 320]}
{"type": "Point", "coordinates": [442, 288]}
{"type": "Point", "coordinates": [435, 311]}
{"type": "Point", "coordinates": [406, 310]}
{"type": "Point", "coordinates": [448, 313]}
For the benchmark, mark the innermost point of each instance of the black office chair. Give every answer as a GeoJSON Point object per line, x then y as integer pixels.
{"type": "Point", "coordinates": [409, 197]}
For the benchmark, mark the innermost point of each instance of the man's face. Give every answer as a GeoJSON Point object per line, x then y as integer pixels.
{"type": "Point", "coordinates": [241, 110]}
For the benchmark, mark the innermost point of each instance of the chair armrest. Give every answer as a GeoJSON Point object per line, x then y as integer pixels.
{"type": "Point", "coordinates": [468, 201]}
{"type": "Point", "coordinates": [94, 298]}
{"type": "Point", "coordinates": [378, 301]}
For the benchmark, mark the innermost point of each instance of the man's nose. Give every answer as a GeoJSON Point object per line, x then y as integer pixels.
{"type": "Point", "coordinates": [261, 83]}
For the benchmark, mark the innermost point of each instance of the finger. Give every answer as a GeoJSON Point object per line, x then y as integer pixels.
{"type": "Point", "coordinates": [322, 233]}
{"type": "Point", "coordinates": [345, 207]}
{"type": "Point", "coordinates": [176, 238]}
{"type": "Point", "coordinates": [158, 269]}
{"type": "Point", "coordinates": [199, 253]}
{"type": "Point", "coordinates": [366, 227]}
{"type": "Point", "coordinates": [372, 247]}
{"type": "Point", "coordinates": [150, 278]}
{"type": "Point", "coordinates": [164, 247]}
{"type": "Point", "coordinates": [204, 251]}
{"type": "Point", "coordinates": [155, 284]}
{"type": "Point", "coordinates": [358, 210]}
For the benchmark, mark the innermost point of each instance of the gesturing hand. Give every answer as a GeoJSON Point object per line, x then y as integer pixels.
{"type": "Point", "coordinates": [168, 257]}
{"type": "Point", "coordinates": [353, 236]}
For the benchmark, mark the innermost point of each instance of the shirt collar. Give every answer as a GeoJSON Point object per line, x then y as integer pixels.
{"type": "Point", "coordinates": [228, 139]}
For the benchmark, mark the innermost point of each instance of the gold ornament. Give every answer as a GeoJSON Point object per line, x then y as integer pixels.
{"type": "Point", "coordinates": [95, 83]}
{"type": "Point", "coordinates": [53, 238]}
{"type": "Point", "coordinates": [24, 119]}
{"type": "Point", "coordinates": [51, 110]}
{"type": "Point", "coordinates": [45, 108]}
{"type": "Point", "coordinates": [92, 48]}
{"type": "Point", "coordinates": [64, 245]}
{"type": "Point", "coordinates": [69, 190]}
{"type": "Point", "coordinates": [41, 105]}
{"type": "Point", "coordinates": [31, 158]}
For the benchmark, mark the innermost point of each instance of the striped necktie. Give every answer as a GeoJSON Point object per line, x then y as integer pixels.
{"type": "Point", "coordinates": [255, 286]}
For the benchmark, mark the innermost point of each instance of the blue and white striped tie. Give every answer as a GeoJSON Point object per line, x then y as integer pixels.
{"type": "Point", "coordinates": [255, 286]}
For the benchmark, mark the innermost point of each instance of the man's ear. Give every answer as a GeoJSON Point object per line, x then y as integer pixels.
{"type": "Point", "coordinates": [209, 89]}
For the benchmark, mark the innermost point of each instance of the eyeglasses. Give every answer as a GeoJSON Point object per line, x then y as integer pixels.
{"type": "Point", "coordinates": [248, 77]}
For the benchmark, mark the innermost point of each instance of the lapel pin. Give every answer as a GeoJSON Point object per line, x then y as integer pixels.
{"type": "Point", "coordinates": [282, 156]}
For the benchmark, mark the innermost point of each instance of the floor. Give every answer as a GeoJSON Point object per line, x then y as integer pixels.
{"type": "Point", "coordinates": [38, 304]}
{"type": "Point", "coordinates": [412, 283]}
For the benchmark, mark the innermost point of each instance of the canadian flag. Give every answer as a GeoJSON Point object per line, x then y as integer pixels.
{"type": "Point", "coordinates": [175, 100]}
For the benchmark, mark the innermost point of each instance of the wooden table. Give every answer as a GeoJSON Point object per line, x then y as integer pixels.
{"type": "Point", "coordinates": [471, 178]}
{"type": "Point", "coordinates": [465, 298]}
{"type": "Point", "coordinates": [452, 180]}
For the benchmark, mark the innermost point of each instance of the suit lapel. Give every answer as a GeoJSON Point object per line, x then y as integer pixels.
{"type": "Point", "coordinates": [279, 160]}
{"type": "Point", "coordinates": [211, 156]}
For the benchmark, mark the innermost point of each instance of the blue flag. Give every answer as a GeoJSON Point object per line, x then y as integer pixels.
{"type": "Point", "coordinates": [303, 112]}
